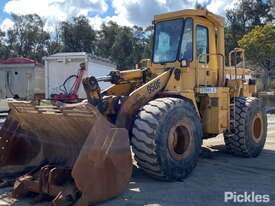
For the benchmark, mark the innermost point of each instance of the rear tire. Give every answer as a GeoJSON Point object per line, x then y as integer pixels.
{"type": "Point", "coordinates": [167, 138]}
{"type": "Point", "coordinates": [249, 129]}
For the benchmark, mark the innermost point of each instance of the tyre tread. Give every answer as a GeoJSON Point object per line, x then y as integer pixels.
{"type": "Point", "coordinates": [235, 143]}
{"type": "Point", "coordinates": [143, 142]}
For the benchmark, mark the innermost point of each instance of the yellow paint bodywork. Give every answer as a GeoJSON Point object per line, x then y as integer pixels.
{"type": "Point", "coordinates": [140, 97]}
{"type": "Point", "coordinates": [215, 111]}
{"type": "Point", "coordinates": [185, 81]}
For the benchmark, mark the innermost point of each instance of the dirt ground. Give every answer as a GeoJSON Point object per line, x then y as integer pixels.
{"type": "Point", "coordinates": [216, 173]}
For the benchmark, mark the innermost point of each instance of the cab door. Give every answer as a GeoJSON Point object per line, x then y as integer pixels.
{"type": "Point", "coordinates": [214, 100]}
{"type": "Point", "coordinates": [205, 53]}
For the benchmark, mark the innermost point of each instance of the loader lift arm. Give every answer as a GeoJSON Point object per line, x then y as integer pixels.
{"type": "Point", "coordinates": [129, 103]}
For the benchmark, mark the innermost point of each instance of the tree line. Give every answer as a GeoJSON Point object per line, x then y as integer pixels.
{"type": "Point", "coordinates": [124, 45]}
{"type": "Point", "coordinates": [250, 24]}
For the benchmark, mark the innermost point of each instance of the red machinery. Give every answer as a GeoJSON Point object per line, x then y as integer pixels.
{"type": "Point", "coordinates": [71, 94]}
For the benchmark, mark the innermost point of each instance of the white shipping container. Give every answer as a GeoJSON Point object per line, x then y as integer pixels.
{"type": "Point", "coordinates": [60, 66]}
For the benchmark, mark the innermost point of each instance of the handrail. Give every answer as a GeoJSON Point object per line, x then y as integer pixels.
{"type": "Point", "coordinates": [242, 54]}
{"type": "Point", "coordinates": [236, 50]}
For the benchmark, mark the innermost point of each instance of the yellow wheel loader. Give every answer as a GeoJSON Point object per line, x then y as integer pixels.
{"type": "Point", "coordinates": [81, 154]}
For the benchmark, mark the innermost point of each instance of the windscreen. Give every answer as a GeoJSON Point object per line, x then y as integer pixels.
{"type": "Point", "coordinates": [167, 39]}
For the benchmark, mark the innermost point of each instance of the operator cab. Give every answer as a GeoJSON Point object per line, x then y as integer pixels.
{"type": "Point", "coordinates": [182, 40]}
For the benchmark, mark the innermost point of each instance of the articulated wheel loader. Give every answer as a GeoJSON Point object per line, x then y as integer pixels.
{"type": "Point", "coordinates": [81, 154]}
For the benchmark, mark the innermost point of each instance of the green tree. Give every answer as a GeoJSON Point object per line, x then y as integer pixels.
{"type": "Point", "coordinates": [125, 46]}
{"type": "Point", "coordinates": [28, 37]}
{"type": "Point", "coordinates": [142, 42]}
{"type": "Point", "coordinates": [243, 18]}
{"type": "Point", "coordinates": [4, 52]}
{"type": "Point", "coordinates": [78, 36]}
{"type": "Point", "coordinates": [272, 84]}
{"type": "Point", "coordinates": [106, 38]}
{"type": "Point", "coordinates": [272, 10]}
{"type": "Point", "coordinates": [55, 44]}
{"type": "Point", "coordinates": [54, 47]}
{"type": "Point", "coordinates": [259, 45]}
{"type": "Point", "coordinates": [122, 51]}
{"type": "Point", "coordinates": [147, 54]}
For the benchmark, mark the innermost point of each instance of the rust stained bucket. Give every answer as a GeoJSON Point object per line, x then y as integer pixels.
{"type": "Point", "coordinates": [104, 166]}
{"type": "Point", "coordinates": [79, 137]}
{"type": "Point", "coordinates": [19, 148]}
{"type": "Point", "coordinates": [56, 135]}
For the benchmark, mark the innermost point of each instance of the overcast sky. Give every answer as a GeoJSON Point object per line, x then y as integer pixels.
{"type": "Point", "coordinates": [124, 12]}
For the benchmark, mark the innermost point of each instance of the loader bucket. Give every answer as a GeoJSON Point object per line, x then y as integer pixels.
{"type": "Point", "coordinates": [74, 152]}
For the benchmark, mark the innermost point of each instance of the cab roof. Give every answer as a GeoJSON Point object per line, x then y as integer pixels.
{"type": "Point", "coordinates": [216, 19]}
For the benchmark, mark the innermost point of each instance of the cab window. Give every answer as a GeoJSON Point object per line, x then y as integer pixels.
{"type": "Point", "coordinates": [202, 43]}
{"type": "Point", "coordinates": [186, 51]}
{"type": "Point", "coordinates": [166, 41]}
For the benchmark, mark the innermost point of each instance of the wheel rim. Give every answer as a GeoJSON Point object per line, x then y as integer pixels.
{"type": "Point", "coordinates": [180, 137]}
{"type": "Point", "coordinates": [257, 127]}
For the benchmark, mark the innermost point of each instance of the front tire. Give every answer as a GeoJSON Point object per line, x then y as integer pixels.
{"type": "Point", "coordinates": [167, 138]}
{"type": "Point", "coordinates": [248, 129]}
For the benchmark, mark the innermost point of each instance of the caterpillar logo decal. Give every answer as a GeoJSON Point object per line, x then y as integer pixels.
{"type": "Point", "coordinates": [153, 86]}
